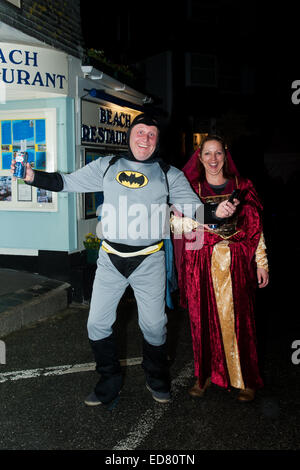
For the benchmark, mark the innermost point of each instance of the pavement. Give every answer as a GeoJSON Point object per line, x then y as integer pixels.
{"type": "Point", "coordinates": [26, 298]}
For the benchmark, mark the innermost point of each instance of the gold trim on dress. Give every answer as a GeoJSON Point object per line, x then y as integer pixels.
{"type": "Point", "coordinates": [225, 230]}
{"type": "Point", "coordinates": [220, 270]}
{"type": "Point", "coordinates": [227, 195]}
{"type": "Point", "coordinates": [180, 225]}
{"type": "Point", "coordinates": [261, 254]}
{"type": "Point", "coordinates": [216, 232]}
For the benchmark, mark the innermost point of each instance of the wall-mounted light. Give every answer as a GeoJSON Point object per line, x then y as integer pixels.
{"type": "Point", "coordinates": [96, 77]}
{"type": "Point", "coordinates": [86, 69]}
{"type": "Point", "coordinates": [88, 72]}
{"type": "Point", "coordinates": [120, 88]}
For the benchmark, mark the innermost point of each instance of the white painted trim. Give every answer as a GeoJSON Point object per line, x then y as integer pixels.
{"type": "Point", "coordinates": [18, 251]}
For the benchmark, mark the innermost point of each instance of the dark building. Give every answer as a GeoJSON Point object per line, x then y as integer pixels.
{"type": "Point", "coordinates": [197, 59]}
{"type": "Point", "coordinates": [221, 66]}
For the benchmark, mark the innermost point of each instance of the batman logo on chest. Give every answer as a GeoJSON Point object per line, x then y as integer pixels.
{"type": "Point", "coordinates": [132, 179]}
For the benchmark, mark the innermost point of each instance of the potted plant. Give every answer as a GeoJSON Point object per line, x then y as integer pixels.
{"type": "Point", "coordinates": [92, 244]}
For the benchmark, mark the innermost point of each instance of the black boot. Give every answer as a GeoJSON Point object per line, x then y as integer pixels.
{"type": "Point", "coordinates": [108, 366]}
{"type": "Point", "coordinates": [156, 367]}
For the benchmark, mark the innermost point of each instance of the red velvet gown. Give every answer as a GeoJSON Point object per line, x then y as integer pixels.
{"type": "Point", "coordinates": [221, 306]}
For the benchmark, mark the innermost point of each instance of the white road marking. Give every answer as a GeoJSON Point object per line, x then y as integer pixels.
{"type": "Point", "coordinates": [148, 420]}
{"type": "Point", "coordinates": [59, 370]}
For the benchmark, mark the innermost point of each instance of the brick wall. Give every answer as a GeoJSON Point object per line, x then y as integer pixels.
{"type": "Point", "coordinates": [55, 22]}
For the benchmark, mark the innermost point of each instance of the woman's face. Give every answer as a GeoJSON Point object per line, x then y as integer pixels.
{"type": "Point", "coordinates": [213, 157]}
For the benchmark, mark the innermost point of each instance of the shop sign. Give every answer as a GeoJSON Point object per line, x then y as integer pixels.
{"type": "Point", "coordinates": [105, 124]}
{"type": "Point", "coordinates": [33, 67]}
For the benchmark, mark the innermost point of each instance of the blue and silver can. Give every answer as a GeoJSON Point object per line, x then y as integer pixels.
{"type": "Point", "coordinates": [213, 226]}
{"type": "Point", "coordinates": [20, 166]}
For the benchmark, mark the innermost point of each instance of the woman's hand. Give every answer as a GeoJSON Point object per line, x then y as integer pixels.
{"type": "Point", "coordinates": [227, 209]}
{"type": "Point", "coordinates": [29, 176]}
{"type": "Point", "coordinates": [262, 277]}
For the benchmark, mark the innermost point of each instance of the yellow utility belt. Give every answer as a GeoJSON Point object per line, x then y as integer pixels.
{"type": "Point", "coordinates": [145, 251]}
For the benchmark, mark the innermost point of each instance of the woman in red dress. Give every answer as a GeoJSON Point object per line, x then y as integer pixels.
{"type": "Point", "coordinates": [218, 279]}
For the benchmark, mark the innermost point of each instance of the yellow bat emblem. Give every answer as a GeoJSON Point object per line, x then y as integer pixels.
{"type": "Point", "coordinates": [132, 179]}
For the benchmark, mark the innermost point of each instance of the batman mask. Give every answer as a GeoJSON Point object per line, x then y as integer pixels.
{"type": "Point", "coordinates": [148, 121]}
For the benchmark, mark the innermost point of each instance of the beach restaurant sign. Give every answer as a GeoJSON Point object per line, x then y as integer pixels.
{"type": "Point", "coordinates": [33, 67]}
{"type": "Point", "coordinates": [105, 124]}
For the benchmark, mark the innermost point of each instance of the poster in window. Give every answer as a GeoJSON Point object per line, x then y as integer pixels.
{"type": "Point", "coordinates": [5, 188]}
{"type": "Point", "coordinates": [24, 192]}
{"type": "Point", "coordinates": [6, 145]}
{"type": "Point", "coordinates": [43, 196]}
{"type": "Point", "coordinates": [30, 133]}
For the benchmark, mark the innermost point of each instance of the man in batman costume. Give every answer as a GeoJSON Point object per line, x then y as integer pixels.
{"type": "Point", "coordinates": [129, 256]}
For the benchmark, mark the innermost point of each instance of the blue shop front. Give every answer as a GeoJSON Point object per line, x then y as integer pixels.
{"type": "Point", "coordinates": [65, 116]}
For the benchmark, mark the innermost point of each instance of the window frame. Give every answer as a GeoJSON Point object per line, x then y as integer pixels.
{"type": "Point", "coordinates": [49, 114]}
{"type": "Point", "coordinates": [188, 60]}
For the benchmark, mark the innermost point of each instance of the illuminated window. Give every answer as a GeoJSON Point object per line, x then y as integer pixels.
{"type": "Point", "coordinates": [197, 139]}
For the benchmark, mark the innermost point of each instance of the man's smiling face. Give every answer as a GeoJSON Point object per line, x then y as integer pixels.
{"type": "Point", "coordinates": [143, 141]}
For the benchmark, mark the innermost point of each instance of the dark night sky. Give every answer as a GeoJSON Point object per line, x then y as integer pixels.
{"type": "Point", "coordinates": [274, 44]}
{"type": "Point", "coordinates": [155, 26]}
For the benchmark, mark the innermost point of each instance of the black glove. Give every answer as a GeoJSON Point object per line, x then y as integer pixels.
{"type": "Point", "coordinates": [49, 181]}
